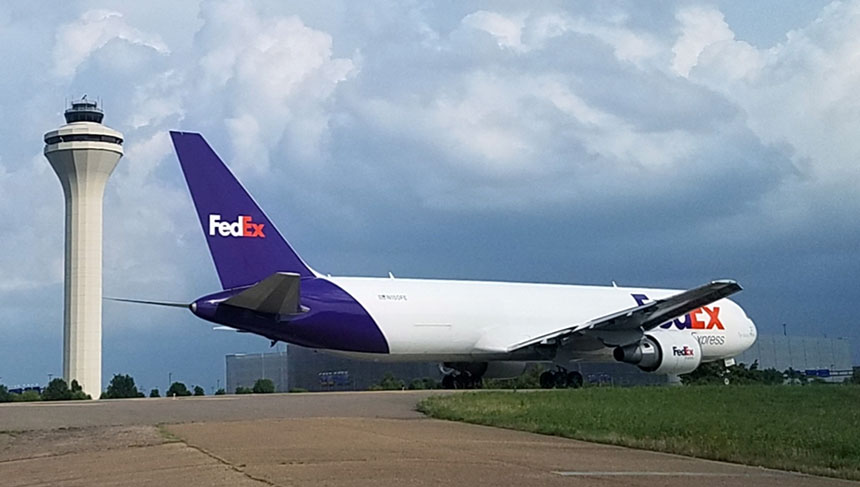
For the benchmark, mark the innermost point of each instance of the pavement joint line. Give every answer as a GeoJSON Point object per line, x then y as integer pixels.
{"type": "Point", "coordinates": [577, 473]}
{"type": "Point", "coordinates": [224, 462]}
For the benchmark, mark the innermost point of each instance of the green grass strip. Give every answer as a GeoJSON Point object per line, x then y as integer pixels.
{"type": "Point", "coordinates": [810, 429]}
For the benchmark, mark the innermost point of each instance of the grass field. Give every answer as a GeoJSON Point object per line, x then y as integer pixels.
{"type": "Point", "coordinates": [811, 429]}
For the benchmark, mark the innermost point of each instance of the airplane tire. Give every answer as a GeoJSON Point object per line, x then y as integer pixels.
{"type": "Point", "coordinates": [464, 381]}
{"type": "Point", "coordinates": [547, 380]}
{"type": "Point", "coordinates": [574, 380]}
{"type": "Point", "coordinates": [448, 382]}
{"type": "Point", "coordinates": [561, 379]}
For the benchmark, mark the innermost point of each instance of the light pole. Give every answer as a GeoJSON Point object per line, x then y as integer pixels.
{"type": "Point", "coordinates": [169, 381]}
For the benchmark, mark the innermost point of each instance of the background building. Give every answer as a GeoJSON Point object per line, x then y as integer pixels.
{"type": "Point", "coordinates": [826, 358]}
{"type": "Point", "coordinates": [244, 369]}
{"type": "Point", "coordinates": [302, 368]}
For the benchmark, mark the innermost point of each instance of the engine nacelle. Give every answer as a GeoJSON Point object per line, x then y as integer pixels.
{"type": "Point", "coordinates": [663, 353]}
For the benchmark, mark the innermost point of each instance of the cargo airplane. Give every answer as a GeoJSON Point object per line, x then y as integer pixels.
{"type": "Point", "coordinates": [473, 329]}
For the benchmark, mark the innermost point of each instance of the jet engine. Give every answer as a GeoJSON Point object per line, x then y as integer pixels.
{"type": "Point", "coordinates": [663, 353]}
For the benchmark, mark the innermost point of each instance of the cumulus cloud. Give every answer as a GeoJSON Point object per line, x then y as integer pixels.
{"type": "Point", "coordinates": [532, 112]}
{"type": "Point", "coordinates": [798, 94]}
{"type": "Point", "coordinates": [77, 40]}
{"type": "Point", "coordinates": [159, 100]}
{"type": "Point", "coordinates": [700, 28]}
{"type": "Point", "coordinates": [522, 32]}
{"type": "Point", "coordinates": [33, 252]}
{"type": "Point", "coordinates": [506, 30]}
{"type": "Point", "coordinates": [276, 76]}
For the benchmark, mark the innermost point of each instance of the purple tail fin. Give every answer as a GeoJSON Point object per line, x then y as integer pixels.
{"type": "Point", "coordinates": [246, 247]}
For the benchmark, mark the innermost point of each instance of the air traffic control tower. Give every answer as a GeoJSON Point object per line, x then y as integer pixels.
{"type": "Point", "coordinates": [83, 153]}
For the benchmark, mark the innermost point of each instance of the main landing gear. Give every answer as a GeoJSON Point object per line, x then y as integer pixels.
{"type": "Point", "coordinates": [461, 380]}
{"type": "Point", "coordinates": [560, 379]}
{"type": "Point", "coordinates": [463, 375]}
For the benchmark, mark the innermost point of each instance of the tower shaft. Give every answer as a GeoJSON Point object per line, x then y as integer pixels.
{"type": "Point", "coordinates": [83, 174]}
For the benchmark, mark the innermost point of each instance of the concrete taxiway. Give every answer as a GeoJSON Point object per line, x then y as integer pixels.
{"type": "Point", "coordinates": [320, 439]}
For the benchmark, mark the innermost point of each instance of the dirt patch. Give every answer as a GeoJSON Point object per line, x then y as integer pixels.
{"type": "Point", "coordinates": [21, 445]}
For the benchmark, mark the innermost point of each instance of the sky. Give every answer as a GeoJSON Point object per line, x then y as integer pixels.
{"type": "Point", "coordinates": [659, 144]}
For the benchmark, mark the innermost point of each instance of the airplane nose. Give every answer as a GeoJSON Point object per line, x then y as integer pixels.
{"type": "Point", "coordinates": [750, 336]}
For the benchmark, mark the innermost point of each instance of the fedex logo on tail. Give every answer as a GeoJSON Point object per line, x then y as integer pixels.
{"type": "Point", "coordinates": [243, 227]}
{"type": "Point", "coordinates": [692, 320]}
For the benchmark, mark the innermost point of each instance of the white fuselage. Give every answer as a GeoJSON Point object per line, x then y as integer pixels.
{"type": "Point", "coordinates": [439, 320]}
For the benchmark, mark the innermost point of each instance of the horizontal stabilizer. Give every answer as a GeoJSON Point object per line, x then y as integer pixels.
{"type": "Point", "coordinates": [228, 328]}
{"type": "Point", "coordinates": [172, 304]}
{"type": "Point", "coordinates": [277, 294]}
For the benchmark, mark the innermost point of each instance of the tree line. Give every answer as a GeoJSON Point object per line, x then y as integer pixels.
{"type": "Point", "coordinates": [717, 373]}
{"type": "Point", "coordinates": [121, 386]}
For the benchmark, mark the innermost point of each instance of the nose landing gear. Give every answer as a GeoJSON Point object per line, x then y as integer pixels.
{"type": "Point", "coordinates": [561, 379]}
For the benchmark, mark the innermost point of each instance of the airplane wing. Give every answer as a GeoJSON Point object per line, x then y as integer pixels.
{"type": "Point", "coordinates": [626, 326]}
{"type": "Point", "coordinates": [276, 294]}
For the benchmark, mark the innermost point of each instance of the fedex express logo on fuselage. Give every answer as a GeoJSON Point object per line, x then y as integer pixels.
{"type": "Point", "coordinates": [684, 351]}
{"type": "Point", "coordinates": [242, 227]}
{"type": "Point", "coordinates": [704, 318]}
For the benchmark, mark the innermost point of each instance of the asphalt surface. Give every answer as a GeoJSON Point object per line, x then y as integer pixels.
{"type": "Point", "coordinates": [146, 411]}
{"type": "Point", "coordinates": [320, 439]}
